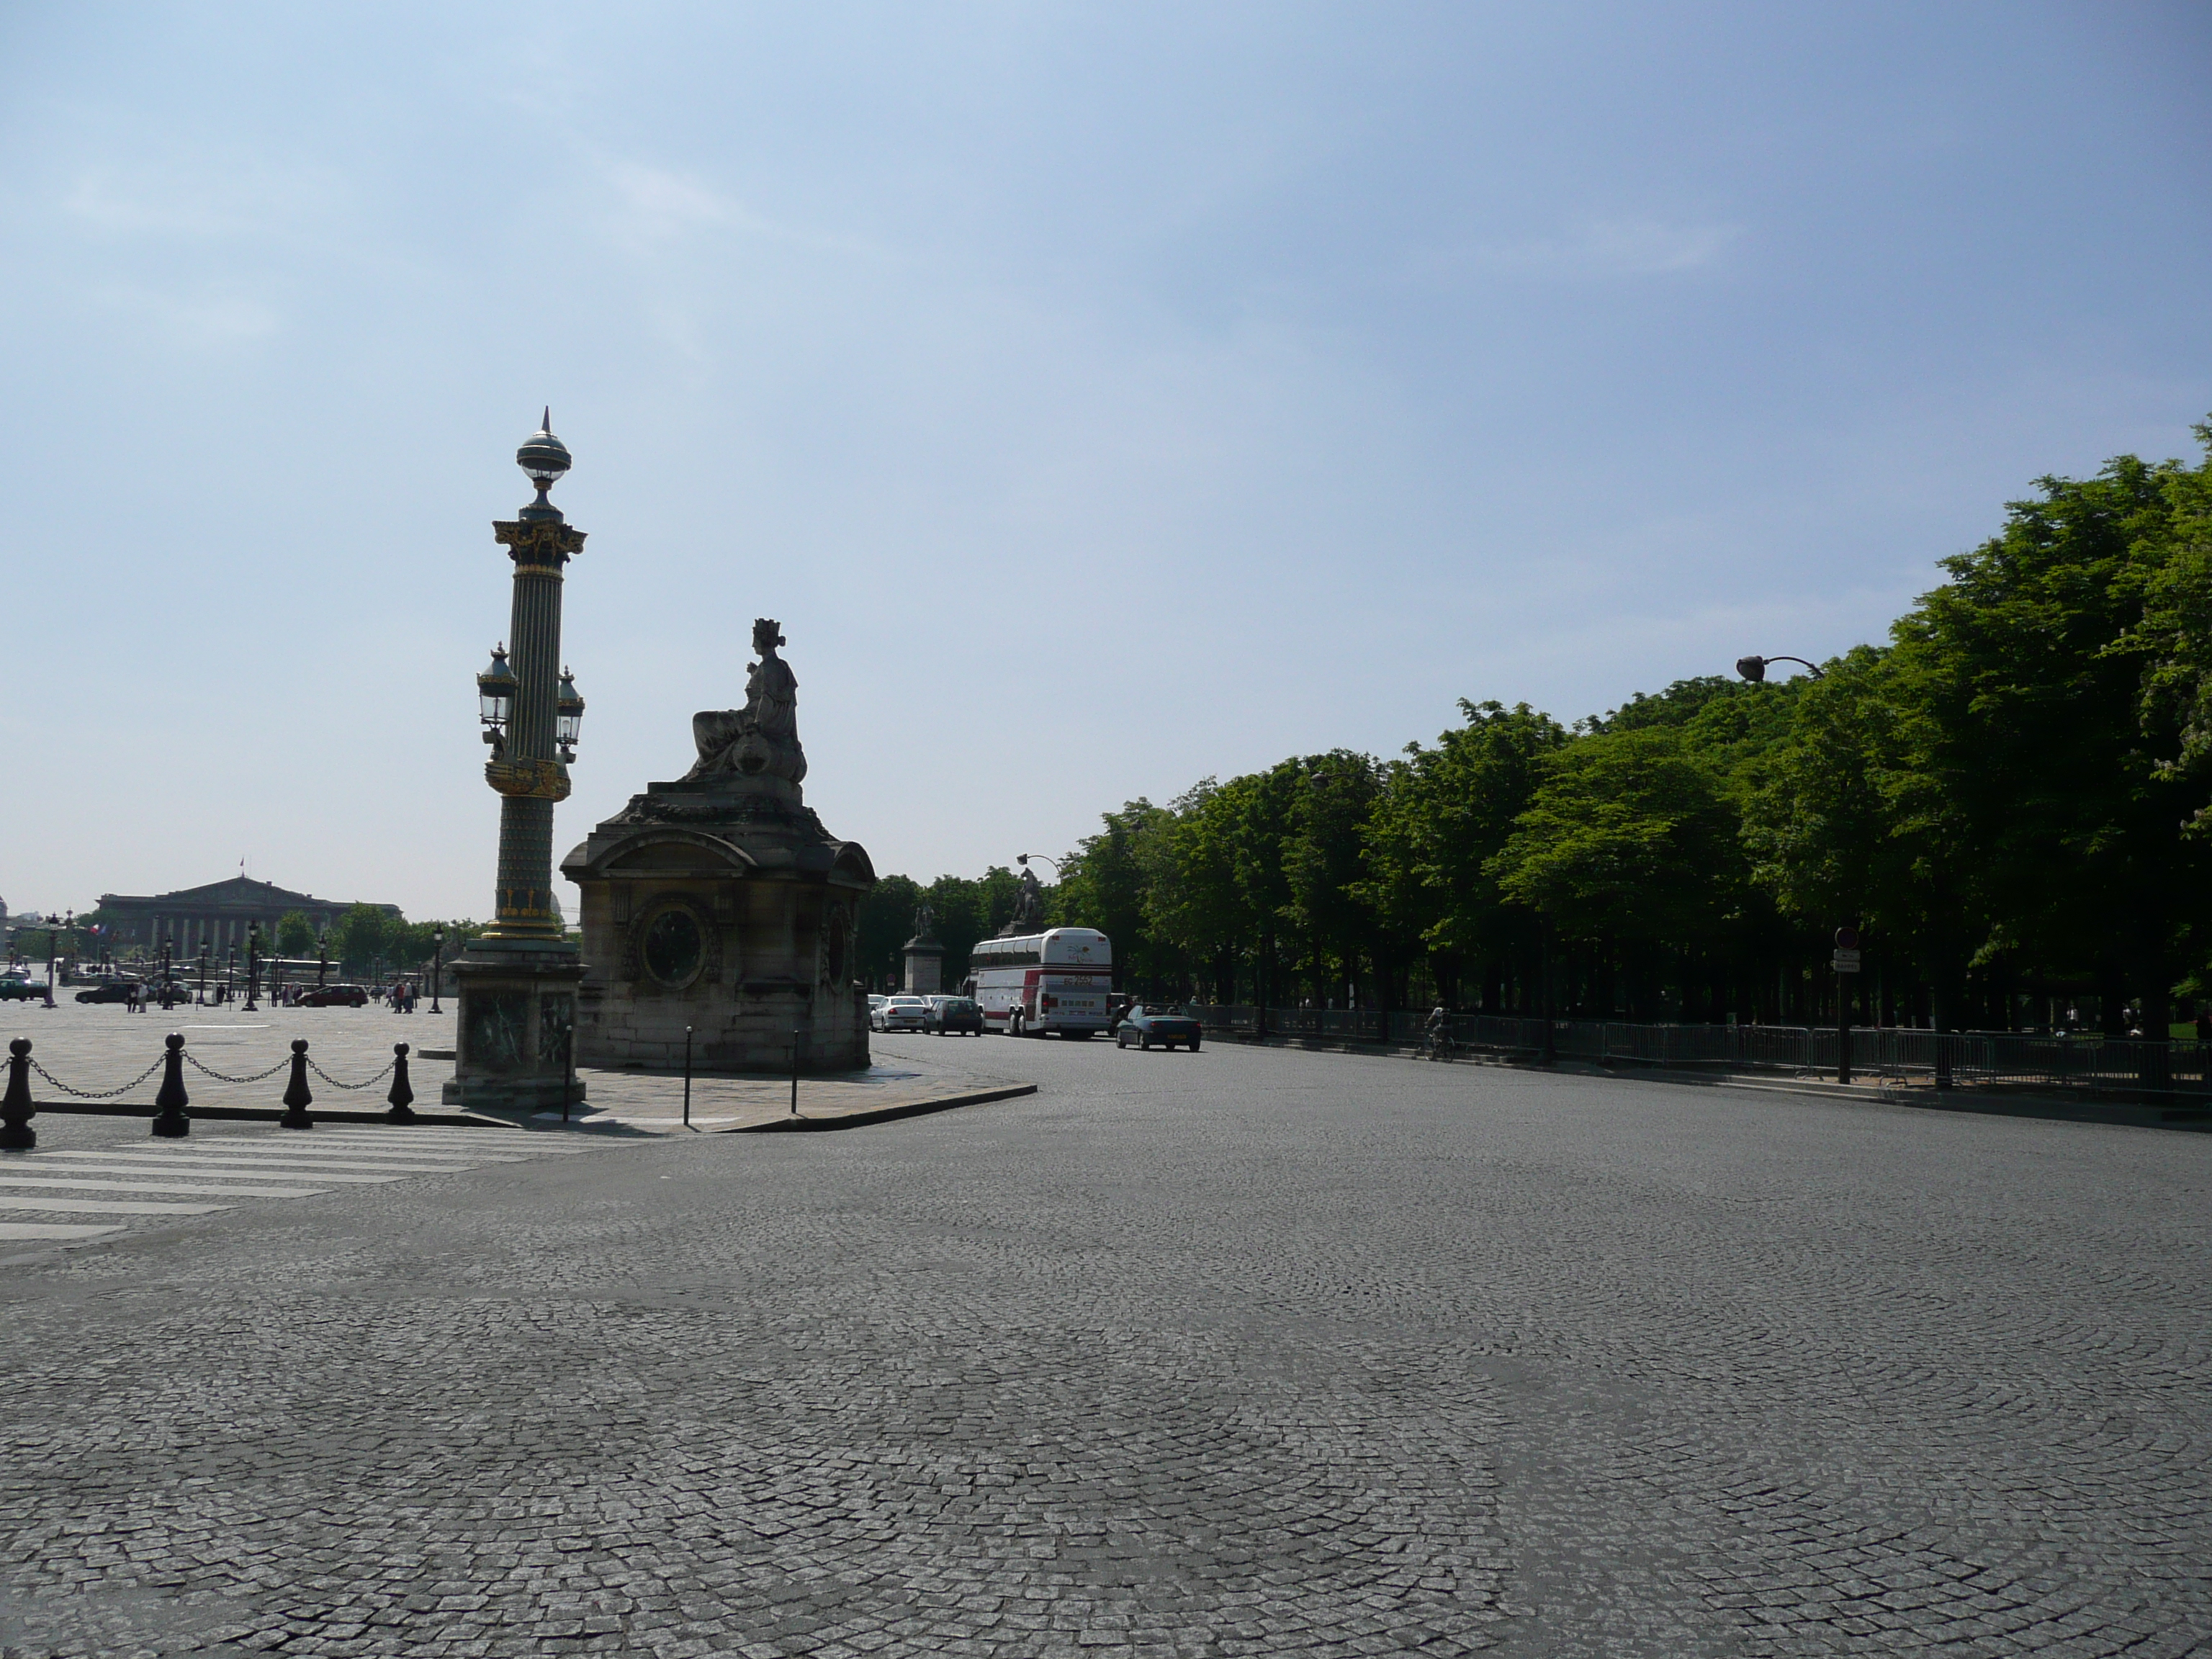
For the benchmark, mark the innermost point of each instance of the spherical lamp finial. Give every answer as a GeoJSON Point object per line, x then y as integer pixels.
{"type": "Point", "coordinates": [544, 458]}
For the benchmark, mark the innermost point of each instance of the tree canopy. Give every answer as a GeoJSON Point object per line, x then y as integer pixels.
{"type": "Point", "coordinates": [2011, 798]}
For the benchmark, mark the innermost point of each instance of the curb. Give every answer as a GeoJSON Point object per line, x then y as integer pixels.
{"type": "Point", "coordinates": [271, 1114]}
{"type": "Point", "coordinates": [2127, 1114]}
{"type": "Point", "coordinates": [882, 1115]}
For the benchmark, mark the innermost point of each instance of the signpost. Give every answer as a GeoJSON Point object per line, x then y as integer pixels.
{"type": "Point", "coordinates": [1846, 962]}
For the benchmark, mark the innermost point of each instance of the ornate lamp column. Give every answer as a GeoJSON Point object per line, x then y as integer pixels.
{"type": "Point", "coordinates": [517, 981]}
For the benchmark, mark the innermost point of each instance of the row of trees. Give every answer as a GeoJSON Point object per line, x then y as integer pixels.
{"type": "Point", "coordinates": [2009, 798]}
{"type": "Point", "coordinates": [368, 937]}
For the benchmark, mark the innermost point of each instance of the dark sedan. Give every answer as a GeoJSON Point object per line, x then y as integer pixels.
{"type": "Point", "coordinates": [951, 1014]}
{"type": "Point", "coordinates": [23, 990]}
{"type": "Point", "coordinates": [333, 996]}
{"type": "Point", "coordinates": [1165, 1026]}
{"type": "Point", "coordinates": [115, 990]}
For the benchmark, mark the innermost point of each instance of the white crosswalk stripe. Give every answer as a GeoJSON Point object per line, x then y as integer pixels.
{"type": "Point", "coordinates": [108, 1206]}
{"type": "Point", "coordinates": [9, 1182]}
{"type": "Point", "coordinates": [52, 1230]}
{"type": "Point", "coordinates": [224, 1172]}
{"type": "Point", "coordinates": [268, 1160]}
{"type": "Point", "coordinates": [183, 1178]}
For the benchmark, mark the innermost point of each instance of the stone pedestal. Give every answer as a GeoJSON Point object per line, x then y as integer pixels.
{"type": "Point", "coordinates": [515, 1026]}
{"type": "Point", "coordinates": [925, 967]}
{"type": "Point", "coordinates": [723, 904]}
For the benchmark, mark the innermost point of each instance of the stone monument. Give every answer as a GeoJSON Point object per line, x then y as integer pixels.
{"type": "Point", "coordinates": [720, 902]}
{"type": "Point", "coordinates": [925, 956]}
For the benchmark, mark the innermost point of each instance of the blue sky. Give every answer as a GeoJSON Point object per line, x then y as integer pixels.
{"type": "Point", "coordinates": [1101, 397]}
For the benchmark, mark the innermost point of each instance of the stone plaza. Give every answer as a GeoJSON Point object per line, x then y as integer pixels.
{"type": "Point", "coordinates": [1248, 1352]}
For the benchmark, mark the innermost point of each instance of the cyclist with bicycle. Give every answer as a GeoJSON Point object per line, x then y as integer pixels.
{"type": "Point", "coordinates": [1438, 1031]}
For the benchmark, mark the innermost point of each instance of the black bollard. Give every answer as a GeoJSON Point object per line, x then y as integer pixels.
{"type": "Point", "coordinates": [402, 1092]}
{"type": "Point", "coordinates": [16, 1108]}
{"type": "Point", "coordinates": [297, 1098]}
{"type": "Point", "coordinates": [170, 1122]}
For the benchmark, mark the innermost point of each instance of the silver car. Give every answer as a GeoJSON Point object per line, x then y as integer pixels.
{"type": "Point", "coordinates": [904, 1014]}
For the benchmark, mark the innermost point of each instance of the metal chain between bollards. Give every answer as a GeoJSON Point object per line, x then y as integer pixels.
{"type": "Point", "coordinates": [369, 1083]}
{"type": "Point", "coordinates": [259, 1077]}
{"type": "Point", "coordinates": [92, 1094]}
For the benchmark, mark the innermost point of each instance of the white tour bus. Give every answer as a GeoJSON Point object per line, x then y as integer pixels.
{"type": "Point", "coordinates": [1051, 981]}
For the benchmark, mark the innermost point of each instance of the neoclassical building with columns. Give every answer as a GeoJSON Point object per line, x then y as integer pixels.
{"type": "Point", "coordinates": [219, 913]}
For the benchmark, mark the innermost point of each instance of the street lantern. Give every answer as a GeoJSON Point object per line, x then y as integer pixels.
{"type": "Point", "coordinates": [437, 965]}
{"type": "Point", "coordinates": [253, 964]}
{"type": "Point", "coordinates": [523, 963]}
{"type": "Point", "coordinates": [568, 717]}
{"type": "Point", "coordinates": [495, 698]}
{"type": "Point", "coordinates": [1754, 668]}
{"type": "Point", "coordinates": [54, 951]}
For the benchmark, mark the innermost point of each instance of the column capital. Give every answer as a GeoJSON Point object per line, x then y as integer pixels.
{"type": "Point", "coordinates": [538, 542]}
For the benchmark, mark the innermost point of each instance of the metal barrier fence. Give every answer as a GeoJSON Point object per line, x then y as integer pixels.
{"type": "Point", "coordinates": [170, 1119]}
{"type": "Point", "coordinates": [2089, 1064]}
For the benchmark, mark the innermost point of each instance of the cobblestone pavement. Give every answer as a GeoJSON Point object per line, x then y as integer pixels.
{"type": "Point", "coordinates": [1238, 1352]}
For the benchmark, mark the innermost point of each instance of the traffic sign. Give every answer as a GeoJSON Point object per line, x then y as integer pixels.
{"type": "Point", "coordinates": [1844, 962]}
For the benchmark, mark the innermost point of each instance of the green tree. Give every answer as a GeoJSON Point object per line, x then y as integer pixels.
{"type": "Point", "coordinates": [1444, 815]}
{"type": "Point", "coordinates": [885, 923]}
{"type": "Point", "coordinates": [1104, 885]}
{"type": "Point", "coordinates": [296, 934]}
{"type": "Point", "coordinates": [2033, 691]}
{"type": "Point", "coordinates": [1193, 903]}
{"type": "Point", "coordinates": [363, 937]}
{"type": "Point", "coordinates": [1631, 847]}
{"type": "Point", "coordinates": [1324, 866]}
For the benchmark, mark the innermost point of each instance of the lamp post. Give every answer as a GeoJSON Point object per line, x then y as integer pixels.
{"type": "Point", "coordinates": [322, 953]}
{"type": "Point", "coordinates": [252, 965]}
{"type": "Point", "coordinates": [1846, 962]}
{"type": "Point", "coordinates": [437, 966]}
{"type": "Point", "coordinates": [230, 975]}
{"type": "Point", "coordinates": [168, 959]}
{"type": "Point", "coordinates": [516, 983]}
{"type": "Point", "coordinates": [1754, 668]}
{"type": "Point", "coordinates": [200, 999]}
{"type": "Point", "coordinates": [54, 951]}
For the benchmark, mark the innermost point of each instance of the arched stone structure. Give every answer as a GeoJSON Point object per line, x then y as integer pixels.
{"type": "Point", "coordinates": [721, 904]}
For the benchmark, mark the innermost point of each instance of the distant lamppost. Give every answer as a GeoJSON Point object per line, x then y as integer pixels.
{"type": "Point", "coordinates": [200, 998]}
{"type": "Point", "coordinates": [322, 952]}
{"type": "Point", "coordinates": [1846, 962]}
{"type": "Point", "coordinates": [1023, 859]}
{"type": "Point", "coordinates": [54, 951]}
{"type": "Point", "coordinates": [437, 966]}
{"type": "Point", "coordinates": [230, 975]}
{"type": "Point", "coordinates": [516, 981]}
{"type": "Point", "coordinates": [168, 958]}
{"type": "Point", "coordinates": [253, 966]}
{"type": "Point", "coordinates": [1754, 668]}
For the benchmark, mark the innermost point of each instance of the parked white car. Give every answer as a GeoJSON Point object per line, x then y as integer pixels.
{"type": "Point", "coordinates": [875, 1011]}
{"type": "Point", "coordinates": [904, 1014]}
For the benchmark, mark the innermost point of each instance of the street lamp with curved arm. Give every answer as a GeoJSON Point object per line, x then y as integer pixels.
{"type": "Point", "coordinates": [1023, 859]}
{"type": "Point", "coordinates": [1754, 668]}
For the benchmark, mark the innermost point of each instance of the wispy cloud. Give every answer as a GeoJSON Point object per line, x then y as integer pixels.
{"type": "Point", "coordinates": [205, 319]}
{"type": "Point", "coordinates": [203, 196]}
{"type": "Point", "coordinates": [652, 205]}
{"type": "Point", "coordinates": [1599, 249]}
